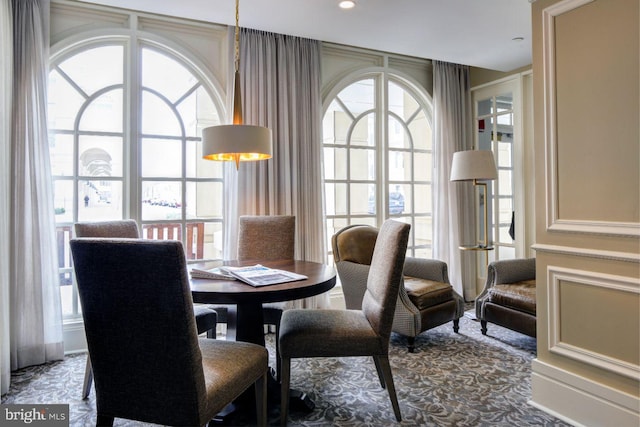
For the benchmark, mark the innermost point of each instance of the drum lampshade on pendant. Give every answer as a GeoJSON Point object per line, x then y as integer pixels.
{"type": "Point", "coordinates": [237, 142]}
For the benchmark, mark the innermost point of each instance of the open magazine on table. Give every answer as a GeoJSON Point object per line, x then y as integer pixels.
{"type": "Point", "coordinates": [254, 275]}
{"type": "Point", "coordinates": [212, 273]}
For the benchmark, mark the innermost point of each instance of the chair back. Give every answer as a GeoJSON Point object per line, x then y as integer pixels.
{"type": "Point", "coordinates": [121, 228]}
{"type": "Point", "coordinates": [269, 237]}
{"type": "Point", "coordinates": [353, 248]}
{"type": "Point", "coordinates": [354, 243]}
{"type": "Point", "coordinates": [511, 271]}
{"type": "Point", "coordinates": [385, 277]}
{"type": "Point", "coordinates": [140, 329]}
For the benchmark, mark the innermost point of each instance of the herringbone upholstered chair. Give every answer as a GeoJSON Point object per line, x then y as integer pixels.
{"type": "Point", "coordinates": [155, 369]}
{"type": "Point", "coordinates": [345, 333]}
{"type": "Point", "coordinates": [206, 318]}
{"type": "Point", "coordinates": [426, 297]}
{"type": "Point", "coordinates": [268, 237]}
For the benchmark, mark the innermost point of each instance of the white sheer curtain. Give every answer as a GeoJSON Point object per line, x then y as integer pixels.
{"type": "Point", "coordinates": [453, 211]}
{"type": "Point", "coordinates": [6, 67]}
{"type": "Point", "coordinates": [280, 80]}
{"type": "Point", "coordinates": [35, 313]}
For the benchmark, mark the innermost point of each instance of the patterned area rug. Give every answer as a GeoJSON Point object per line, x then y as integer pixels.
{"type": "Point", "coordinates": [464, 379]}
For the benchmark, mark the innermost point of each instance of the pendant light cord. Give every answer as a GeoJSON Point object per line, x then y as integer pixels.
{"type": "Point", "coordinates": [237, 97]}
{"type": "Point", "coordinates": [237, 40]}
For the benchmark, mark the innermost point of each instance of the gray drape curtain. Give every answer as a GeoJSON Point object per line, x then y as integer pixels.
{"type": "Point", "coordinates": [453, 207]}
{"type": "Point", "coordinates": [6, 73]}
{"type": "Point", "coordinates": [35, 318]}
{"type": "Point", "coordinates": [280, 81]}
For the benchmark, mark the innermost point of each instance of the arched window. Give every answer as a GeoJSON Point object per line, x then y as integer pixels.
{"type": "Point", "coordinates": [378, 158]}
{"type": "Point", "coordinates": [125, 143]}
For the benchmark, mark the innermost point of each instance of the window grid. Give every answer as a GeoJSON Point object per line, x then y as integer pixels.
{"type": "Point", "coordinates": [95, 162]}
{"type": "Point", "coordinates": [497, 125]}
{"type": "Point", "coordinates": [390, 158]}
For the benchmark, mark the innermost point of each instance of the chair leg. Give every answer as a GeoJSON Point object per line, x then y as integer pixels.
{"type": "Point", "coordinates": [456, 325]}
{"type": "Point", "coordinates": [104, 421]}
{"type": "Point", "coordinates": [285, 380]}
{"type": "Point", "coordinates": [88, 378]}
{"type": "Point", "coordinates": [411, 344]}
{"type": "Point", "coordinates": [379, 370]}
{"type": "Point", "coordinates": [261, 401]}
{"type": "Point", "coordinates": [272, 316]}
{"type": "Point", "coordinates": [278, 362]}
{"type": "Point", "coordinates": [483, 327]}
{"type": "Point", "coordinates": [385, 367]}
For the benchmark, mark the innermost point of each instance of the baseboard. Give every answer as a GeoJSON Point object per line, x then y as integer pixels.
{"type": "Point", "coordinates": [580, 401]}
{"type": "Point", "coordinates": [74, 338]}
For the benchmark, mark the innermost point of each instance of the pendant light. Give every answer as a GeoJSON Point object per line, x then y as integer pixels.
{"type": "Point", "coordinates": [237, 142]}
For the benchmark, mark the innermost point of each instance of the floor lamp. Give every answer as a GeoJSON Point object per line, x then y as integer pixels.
{"type": "Point", "coordinates": [475, 165]}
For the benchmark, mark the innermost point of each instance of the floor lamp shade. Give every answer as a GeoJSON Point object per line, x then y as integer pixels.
{"type": "Point", "coordinates": [473, 165]}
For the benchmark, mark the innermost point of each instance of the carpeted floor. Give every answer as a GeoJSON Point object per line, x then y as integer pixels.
{"type": "Point", "coordinates": [464, 379]}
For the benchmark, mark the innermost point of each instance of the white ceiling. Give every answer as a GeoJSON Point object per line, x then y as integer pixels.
{"type": "Point", "coordinates": [472, 32]}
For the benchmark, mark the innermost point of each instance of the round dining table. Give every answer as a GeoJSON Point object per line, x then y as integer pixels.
{"type": "Point", "coordinates": [244, 313]}
{"type": "Point", "coordinates": [245, 319]}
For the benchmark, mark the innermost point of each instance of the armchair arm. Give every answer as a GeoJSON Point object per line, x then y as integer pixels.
{"type": "Point", "coordinates": [429, 269]}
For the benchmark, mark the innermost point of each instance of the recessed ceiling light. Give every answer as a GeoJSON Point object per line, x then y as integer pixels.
{"type": "Point", "coordinates": [517, 39]}
{"type": "Point", "coordinates": [347, 4]}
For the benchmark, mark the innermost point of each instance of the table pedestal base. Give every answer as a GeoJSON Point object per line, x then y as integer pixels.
{"type": "Point", "coordinates": [300, 402]}
{"type": "Point", "coordinates": [245, 323]}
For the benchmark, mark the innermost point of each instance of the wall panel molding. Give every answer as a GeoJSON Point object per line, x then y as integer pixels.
{"type": "Point", "coordinates": [589, 253]}
{"type": "Point", "coordinates": [553, 220]}
{"type": "Point", "coordinates": [555, 275]}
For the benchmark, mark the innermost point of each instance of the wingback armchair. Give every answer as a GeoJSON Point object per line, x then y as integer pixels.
{"type": "Point", "coordinates": [509, 296]}
{"type": "Point", "coordinates": [426, 298]}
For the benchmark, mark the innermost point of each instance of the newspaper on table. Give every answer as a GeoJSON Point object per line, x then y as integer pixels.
{"type": "Point", "coordinates": [254, 275]}
{"type": "Point", "coordinates": [212, 273]}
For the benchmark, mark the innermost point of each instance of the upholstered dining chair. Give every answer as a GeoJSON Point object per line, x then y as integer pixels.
{"type": "Point", "coordinates": [206, 318]}
{"type": "Point", "coordinates": [344, 333]}
{"type": "Point", "coordinates": [426, 298]}
{"type": "Point", "coordinates": [268, 237]}
{"type": "Point", "coordinates": [158, 371]}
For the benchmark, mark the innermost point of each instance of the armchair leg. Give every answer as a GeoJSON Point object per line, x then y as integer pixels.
{"type": "Point", "coordinates": [456, 325]}
{"type": "Point", "coordinates": [483, 327]}
{"type": "Point", "coordinates": [411, 344]}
